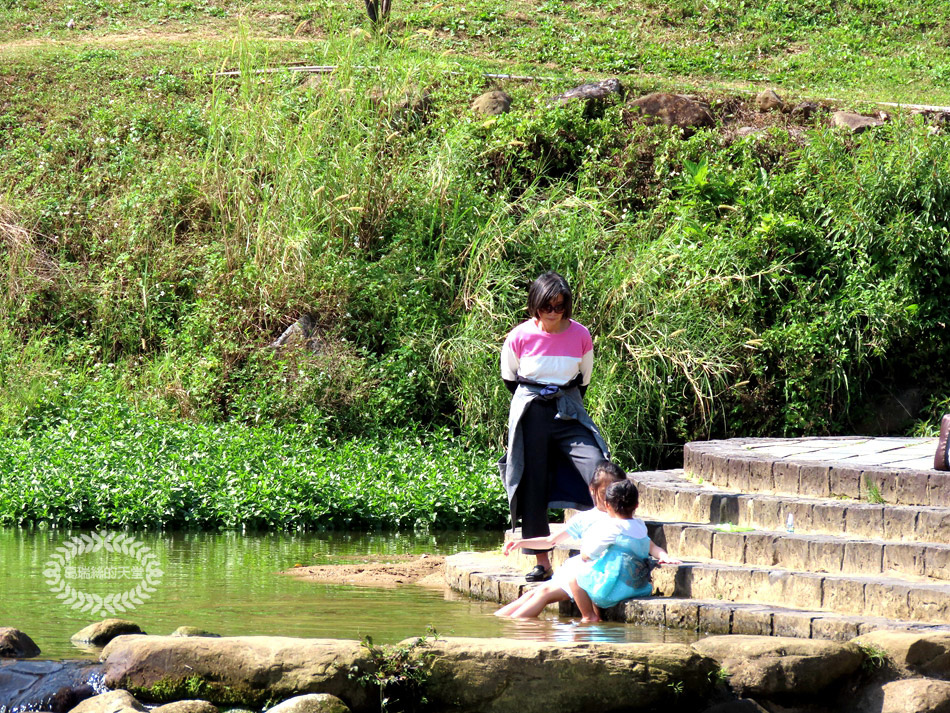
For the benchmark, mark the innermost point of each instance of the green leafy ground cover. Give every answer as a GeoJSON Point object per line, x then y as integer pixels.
{"type": "Point", "coordinates": [100, 463]}
{"type": "Point", "coordinates": [160, 227]}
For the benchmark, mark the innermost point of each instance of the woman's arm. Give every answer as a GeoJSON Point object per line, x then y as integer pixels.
{"type": "Point", "coordinates": [662, 556]}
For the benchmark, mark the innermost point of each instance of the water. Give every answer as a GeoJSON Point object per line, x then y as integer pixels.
{"type": "Point", "coordinates": [228, 583]}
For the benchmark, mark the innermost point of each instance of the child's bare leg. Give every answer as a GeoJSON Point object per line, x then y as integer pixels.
{"type": "Point", "coordinates": [540, 590]}
{"type": "Point", "coordinates": [512, 606]}
{"type": "Point", "coordinates": [589, 612]}
{"type": "Point", "coordinates": [541, 597]}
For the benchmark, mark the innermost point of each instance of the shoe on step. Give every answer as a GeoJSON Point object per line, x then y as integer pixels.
{"type": "Point", "coordinates": [942, 458]}
{"type": "Point", "coordinates": [538, 574]}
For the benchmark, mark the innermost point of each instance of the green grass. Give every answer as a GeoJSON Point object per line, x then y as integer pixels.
{"type": "Point", "coordinates": [159, 227]}
{"type": "Point", "coordinates": [864, 50]}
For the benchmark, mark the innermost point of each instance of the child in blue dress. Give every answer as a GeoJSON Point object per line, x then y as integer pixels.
{"type": "Point", "coordinates": [591, 527]}
{"type": "Point", "coordinates": [616, 550]}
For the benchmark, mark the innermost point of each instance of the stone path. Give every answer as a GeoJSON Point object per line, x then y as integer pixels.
{"type": "Point", "coordinates": [806, 537]}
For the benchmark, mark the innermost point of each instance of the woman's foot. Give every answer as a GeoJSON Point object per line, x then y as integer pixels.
{"type": "Point", "coordinates": [540, 573]}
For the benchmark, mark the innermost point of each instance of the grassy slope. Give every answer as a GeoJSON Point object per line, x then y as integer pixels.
{"type": "Point", "coordinates": [856, 50]}
{"type": "Point", "coordinates": [160, 227]}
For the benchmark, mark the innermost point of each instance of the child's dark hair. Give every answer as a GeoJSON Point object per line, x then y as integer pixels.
{"type": "Point", "coordinates": [623, 498]}
{"type": "Point", "coordinates": [606, 473]}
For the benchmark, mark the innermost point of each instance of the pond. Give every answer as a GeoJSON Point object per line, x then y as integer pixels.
{"type": "Point", "coordinates": [228, 583]}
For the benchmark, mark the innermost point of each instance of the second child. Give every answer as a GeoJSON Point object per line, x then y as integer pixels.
{"type": "Point", "coordinates": [598, 527]}
{"type": "Point", "coordinates": [617, 549]}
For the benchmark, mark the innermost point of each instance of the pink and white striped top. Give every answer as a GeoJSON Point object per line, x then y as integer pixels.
{"type": "Point", "coordinates": [547, 358]}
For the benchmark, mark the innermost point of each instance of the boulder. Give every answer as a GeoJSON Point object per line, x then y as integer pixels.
{"type": "Point", "coordinates": [102, 632]}
{"type": "Point", "coordinates": [804, 111]}
{"type": "Point", "coordinates": [911, 653]}
{"type": "Point", "coordinates": [591, 91]}
{"type": "Point", "coordinates": [778, 666]}
{"type": "Point", "coordinates": [57, 686]}
{"type": "Point", "coordinates": [768, 100]}
{"type": "Point", "coordinates": [741, 705]}
{"type": "Point", "coordinates": [484, 675]}
{"type": "Point", "coordinates": [912, 695]}
{"type": "Point", "coordinates": [192, 631]}
{"type": "Point", "coordinates": [301, 334]}
{"type": "Point", "coordinates": [855, 123]}
{"type": "Point", "coordinates": [492, 103]}
{"type": "Point", "coordinates": [672, 110]}
{"type": "Point", "coordinates": [14, 644]}
{"type": "Point", "coordinates": [501, 675]}
{"type": "Point", "coordinates": [111, 702]}
{"type": "Point", "coordinates": [311, 703]}
{"type": "Point", "coordinates": [239, 670]}
{"type": "Point", "coordinates": [190, 706]}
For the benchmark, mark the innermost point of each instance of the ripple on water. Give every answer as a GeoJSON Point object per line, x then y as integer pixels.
{"type": "Point", "coordinates": [227, 583]}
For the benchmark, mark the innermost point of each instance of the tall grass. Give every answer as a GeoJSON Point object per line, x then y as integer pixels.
{"type": "Point", "coordinates": [776, 284]}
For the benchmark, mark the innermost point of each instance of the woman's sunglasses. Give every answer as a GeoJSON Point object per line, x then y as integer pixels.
{"type": "Point", "coordinates": [556, 309]}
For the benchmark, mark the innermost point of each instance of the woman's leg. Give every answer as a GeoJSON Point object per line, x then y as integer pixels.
{"type": "Point", "coordinates": [579, 446]}
{"type": "Point", "coordinates": [536, 425]}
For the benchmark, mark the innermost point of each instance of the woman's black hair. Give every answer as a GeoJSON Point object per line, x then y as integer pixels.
{"type": "Point", "coordinates": [623, 498]}
{"type": "Point", "coordinates": [545, 289]}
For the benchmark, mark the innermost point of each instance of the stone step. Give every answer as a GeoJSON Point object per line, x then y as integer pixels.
{"type": "Point", "coordinates": [895, 471]}
{"type": "Point", "coordinates": [668, 495]}
{"type": "Point", "coordinates": [803, 552]}
{"type": "Point", "coordinates": [865, 595]}
{"type": "Point", "coordinates": [851, 595]}
{"type": "Point", "coordinates": [490, 577]}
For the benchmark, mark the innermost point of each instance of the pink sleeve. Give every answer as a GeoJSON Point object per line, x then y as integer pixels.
{"type": "Point", "coordinates": [510, 358]}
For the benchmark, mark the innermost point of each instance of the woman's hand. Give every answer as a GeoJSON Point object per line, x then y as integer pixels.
{"type": "Point", "coordinates": [509, 546]}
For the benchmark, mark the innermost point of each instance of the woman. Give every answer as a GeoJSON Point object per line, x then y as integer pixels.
{"type": "Point", "coordinates": [553, 446]}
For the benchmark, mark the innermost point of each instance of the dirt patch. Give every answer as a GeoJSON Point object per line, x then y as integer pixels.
{"type": "Point", "coordinates": [377, 571]}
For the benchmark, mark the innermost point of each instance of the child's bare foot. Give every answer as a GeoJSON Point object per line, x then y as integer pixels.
{"type": "Point", "coordinates": [592, 619]}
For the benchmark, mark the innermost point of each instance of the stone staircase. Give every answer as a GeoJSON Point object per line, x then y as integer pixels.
{"type": "Point", "coordinates": [812, 537]}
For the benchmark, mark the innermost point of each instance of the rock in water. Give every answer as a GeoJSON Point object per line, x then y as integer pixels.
{"type": "Point", "coordinates": [912, 695]}
{"type": "Point", "coordinates": [672, 110]}
{"type": "Point", "coordinates": [778, 665]}
{"type": "Point", "coordinates": [463, 675]}
{"type": "Point", "coordinates": [311, 703]}
{"type": "Point", "coordinates": [500, 675]}
{"type": "Point", "coordinates": [192, 631]}
{"type": "Point", "coordinates": [191, 706]}
{"type": "Point", "coordinates": [14, 644]}
{"type": "Point", "coordinates": [111, 702]}
{"type": "Point", "coordinates": [102, 632]}
{"type": "Point", "coordinates": [250, 669]}
{"type": "Point", "coordinates": [492, 103]}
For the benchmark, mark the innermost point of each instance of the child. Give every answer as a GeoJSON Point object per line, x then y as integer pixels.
{"type": "Point", "coordinates": [532, 602]}
{"type": "Point", "coordinates": [618, 549]}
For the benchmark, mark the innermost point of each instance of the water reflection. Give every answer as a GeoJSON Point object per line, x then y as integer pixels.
{"type": "Point", "coordinates": [227, 583]}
